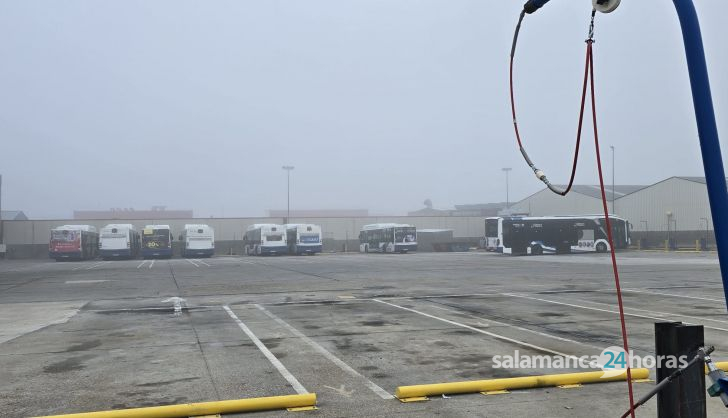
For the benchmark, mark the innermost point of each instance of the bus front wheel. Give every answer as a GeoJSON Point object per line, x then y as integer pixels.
{"type": "Point", "coordinates": [536, 250]}
{"type": "Point", "coordinates": [601, 247]}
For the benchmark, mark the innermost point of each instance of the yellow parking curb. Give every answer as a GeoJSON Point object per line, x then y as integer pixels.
{"type": "Point", "coordinates": [404, 393]}
{"type": "Point", "coordinates": [204, 408]}
{"type": "Point", "coordinates": [723, 365]}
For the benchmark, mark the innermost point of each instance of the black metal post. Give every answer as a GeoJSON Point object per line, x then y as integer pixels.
{"type": "Point", "coordinates": [685, 397]}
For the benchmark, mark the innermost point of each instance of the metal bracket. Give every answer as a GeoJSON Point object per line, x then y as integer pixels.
{"type": "Point", "coordinates": [495, 392]}
{"type": "Point", "coordinates": [301, 408]}
{"type": "Point", "coordinates": [415, 399]}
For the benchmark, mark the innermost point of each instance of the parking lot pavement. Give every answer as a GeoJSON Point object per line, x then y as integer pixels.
{"type": "Point", "coordinates": [97, 335]}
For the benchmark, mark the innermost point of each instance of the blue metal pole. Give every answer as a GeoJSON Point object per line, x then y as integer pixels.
{"type": "Point", "coordinates": [707, 131]}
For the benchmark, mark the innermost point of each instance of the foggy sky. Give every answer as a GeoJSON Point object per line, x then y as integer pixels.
{"type": "Point", "coordinates": [379, 104]}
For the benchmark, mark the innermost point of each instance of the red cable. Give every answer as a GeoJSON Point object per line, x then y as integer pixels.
{"type": "Point", "coordinates": [623, 324]}
{"type": "Point", "coordinates": [588, 74]}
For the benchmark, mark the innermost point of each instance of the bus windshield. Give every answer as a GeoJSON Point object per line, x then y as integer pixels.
{"type": "Point", "coordinates": [156, 238]}
{"type": "Point", "coordinates": [64, 235]}
{"type": "Point", "coordinates": [491, 227]}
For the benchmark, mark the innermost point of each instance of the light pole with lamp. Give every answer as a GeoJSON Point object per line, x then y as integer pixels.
{"type": "Point", "coordinates": [614, 211]}
{"type": "Point", "coordinates": [288, 169]}
{"type": "Point", "coordinates": [508, 200]}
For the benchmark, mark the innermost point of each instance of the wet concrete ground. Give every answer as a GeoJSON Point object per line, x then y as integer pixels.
{"type": "Point", "coordinates": [97, 335]}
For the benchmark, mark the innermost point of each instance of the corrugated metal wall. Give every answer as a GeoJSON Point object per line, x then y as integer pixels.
{"type": "Point", "coordinates": [686, 200]}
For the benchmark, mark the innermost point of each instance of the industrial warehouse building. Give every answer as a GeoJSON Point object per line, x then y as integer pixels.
{"type": "Point", "coordinates": [581, 200]}
{"type": "Point", "coordinates": [675, 208]}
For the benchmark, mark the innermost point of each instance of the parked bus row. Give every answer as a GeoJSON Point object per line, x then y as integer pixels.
{"type": "Point", "coordinates": [83, 242]}
{"type": "Point", "coordinates": [519, 235]}
{"type": "Point", "coordinates": [554, 234]}
{"type": "Point", "coordinates": [274, 239]}
{"type": "Point", "coordinates": [198, 240]}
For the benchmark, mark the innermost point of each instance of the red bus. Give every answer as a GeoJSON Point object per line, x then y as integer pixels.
{"type": "Point", "coordinates": [73, 242]}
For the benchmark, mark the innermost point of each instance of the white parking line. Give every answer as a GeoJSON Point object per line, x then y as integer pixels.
{"type": "Point", "coordinates": [85, 281]}
{"type": "Point", "coordinates": [142, 263]}
{"type": "Point", "coordinates": [297, 386]}
{"type": "Point", "coordinates": [497, 336]}
{"type": "Point", "coordinates": [200, 261]}
{"type": "Point", "coordinates": [85, 266]}
{"type": "Point", "coordinates": [454, 295]}
{"type": "Point", "coordinates": [648, 292]}
{"type": "Point", "coordinates": [152, 263]}
{"type": "Point", "coordinates": [192, 262]}
{"type": "Point", "coordinates": [609, 311]}
{"type": "Point", "coordinates": [655, 312]}
{"type": "Point", "coordinates": [543, 334]}
{"type": "Point", "coordinates": [343, 366]}
{"type": "Point", "coordinates": [97, 264]}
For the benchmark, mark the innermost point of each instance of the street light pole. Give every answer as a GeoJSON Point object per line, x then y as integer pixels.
{"type": "Point", "coordinates": [614, 211]}
{"type": "Point", "coordinates": [288, 169]}
{"type": "Point", "coordinates": [508, 200]}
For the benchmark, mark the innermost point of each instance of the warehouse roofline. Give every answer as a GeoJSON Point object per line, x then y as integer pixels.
{"type": "Point", "coordinates": [594, 191]}
{"type": "Point", "coordinates": [694, 179]}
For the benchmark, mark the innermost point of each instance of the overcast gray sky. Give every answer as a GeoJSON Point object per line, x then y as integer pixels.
{"type": "Point", "coordinates": [378, 103]}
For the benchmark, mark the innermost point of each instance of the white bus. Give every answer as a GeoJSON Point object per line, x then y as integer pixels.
{"type": "Point", "coordinates": [555, 234]}
{"type": "Point", "coordinates": [263, 239]}
{"type": "Point", "coordinates": [304, 239]}
{"type": "Point", "coordinates": [157, 241]}
{"type": "Point", "coordinates": [197, 240]}
{"type": "Point", "coordinates": [119, 241]}
{"type": "Point", "coordinates": [388, 238]}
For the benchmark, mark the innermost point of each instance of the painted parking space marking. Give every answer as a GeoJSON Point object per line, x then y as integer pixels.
{"type": "Point", "coordinates": [519, 328]}
{"type": "Point", "coordinates": [657, 313]}
{"type": "Point", "coordinates": [480, 331]}
{"type": "Point", "coordinates": [85, 281]}
{"type": "Point", "coordinates": [326, 353]}
{"type": "Point", "coordinates": [100, 263]}
{"type": "Point", "coordinates": [672, 295]}
{"type": "Point", "coordinates": [297, 386]}
{"type": "Point", "coordinates": [202, 262]}
{"type": "Point", "coordinates": [574, 305]}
